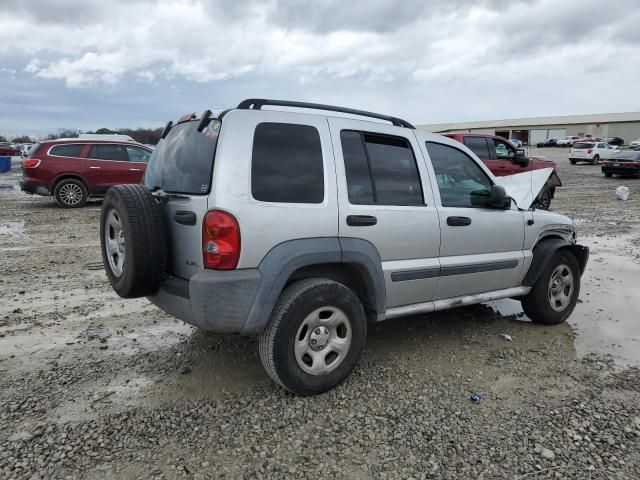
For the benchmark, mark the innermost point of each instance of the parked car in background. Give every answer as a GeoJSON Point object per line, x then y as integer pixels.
{"type": "Point", "coordinates": [617, 141]}
{"type": "Point", "coordinates": [567, 141]}
{"type": "Point", "coordinates": [515, 142]}
{"type": "Point", "coordinates": [551, 142]}
{"type": "Point", "coordinates": [591, 152]}
{"type": "Point", "coordinates": [635, 143]}
{"type": "Point", "coordinates": [504, 159]}
{"type": "Point", "coordinates": [72, 170]}
{"type": "Point", "coordinates": [8, 150]}
{"type": "Point", "coordinates": [625, 163]}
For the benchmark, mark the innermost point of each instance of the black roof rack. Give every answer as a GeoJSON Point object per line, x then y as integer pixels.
{"type": "Point", "coordinates": [258, 103]}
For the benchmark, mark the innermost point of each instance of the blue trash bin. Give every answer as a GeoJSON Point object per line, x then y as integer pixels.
{"type": "Point", "coordinates": [5, 164]}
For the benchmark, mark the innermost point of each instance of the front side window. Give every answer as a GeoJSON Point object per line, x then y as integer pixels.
{"type": "Point", "coordinates": [504, 151]}
{"type": "Point", "coordinates": [479, 146]}
{"type": "Point", "coordinates": [69, 150]}
{"type": "Point", "coordinates": [380, 169]}
{"type": "Point", "coordinates": [137, 154]}
{"type": "Point", "coordinates": [287, 164]}
{"type": "Point", "coordinates": [461, 181]}
{"type": "Point", "coordinates": [107, 151]}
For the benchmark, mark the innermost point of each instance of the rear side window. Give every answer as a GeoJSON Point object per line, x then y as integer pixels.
{"type": "Point", "coordinates": [71, 150]}
{"type": "Point", "coordinates": [479, 146]}
{"type": "Point", "coordinates": [137, 154]}
{"type": "Point", "coordinates": [286, 164]}
{"type": "Point", "coordinates": [380, 169]}
{"type": "Point", "coordinates": [109, 152]}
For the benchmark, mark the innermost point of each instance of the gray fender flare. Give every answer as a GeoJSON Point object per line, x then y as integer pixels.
{"type": "Point", "coordinates": [544, 250]}
{"type": "Point", "coordinates": [284, 259]}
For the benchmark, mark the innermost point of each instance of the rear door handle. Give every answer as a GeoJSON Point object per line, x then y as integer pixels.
{"type": "Point", "coordinates": [134, 169]}
{"type": "Point", "coordinates": [458, 221]}
{"type": "Point", "coordinates": [95, 168]}
{"type": "Point", "coordinates": [361, 220]}
{"type": "Point", "coordinates": [184, 217]}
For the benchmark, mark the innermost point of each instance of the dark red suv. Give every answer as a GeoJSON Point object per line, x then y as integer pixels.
{"type": "Point", "coordinates": [503, 159]}
{"type": "Point", "coordinates": [72, 170]}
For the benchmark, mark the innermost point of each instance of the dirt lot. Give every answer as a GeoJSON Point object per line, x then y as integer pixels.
{"type": "Point", "coordinates": [92, 386]}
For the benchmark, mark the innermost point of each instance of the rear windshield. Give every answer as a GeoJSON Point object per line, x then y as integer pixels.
{"type": "Point", "coordinates": [183, 161]}
{"type": "Point", "coordinates": [33, 149]}
{"type": "Point", "coordinates": [583, 146]}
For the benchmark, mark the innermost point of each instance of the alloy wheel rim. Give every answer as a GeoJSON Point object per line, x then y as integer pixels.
{"type": "Point", "coordinates": [70, 194]}
{"type": "Point", "coordinates": [114, 242]}
{"type": "Point", "coordinates": [561, 286]}
{"type": "Point", "coordinates": [323, 340]}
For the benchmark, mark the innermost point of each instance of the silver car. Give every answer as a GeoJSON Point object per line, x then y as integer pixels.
{"type": "Point", "coordinates": [304, 226]}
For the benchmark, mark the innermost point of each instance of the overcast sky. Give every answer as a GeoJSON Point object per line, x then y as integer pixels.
{"type": "Point", "coordinates": [127, 63]}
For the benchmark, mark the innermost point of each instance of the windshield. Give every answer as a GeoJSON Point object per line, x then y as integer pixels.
{"type": "Point", "coordinates": [626, 156]}
{"type": "Point", "coordinates": [583, 146]}
{"type": "Point", "coordinates": [183, 161]}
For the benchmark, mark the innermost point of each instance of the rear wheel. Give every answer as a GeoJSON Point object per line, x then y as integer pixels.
{"type": "Point", "coordinates": [133, 240]}
{"type": "Point", "coordinates": [555, 293]}
{"type": "Point", "coordinates": [573, 162]}
{"type": "Point", "coordinates": [70, 193]}
{"type": "Point", "coordinates": [608, 174]}
{"type": "Point", "coordinates": [595, 160]}
{"type": "Point", "coordinates": [315, 336]}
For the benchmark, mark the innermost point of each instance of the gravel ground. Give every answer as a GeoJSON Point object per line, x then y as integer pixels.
{"type": "Point", "coordinates": [92, 386]}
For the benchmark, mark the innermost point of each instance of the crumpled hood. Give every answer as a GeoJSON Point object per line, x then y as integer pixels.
{"type": "Point", "coordinates": [525, 187]}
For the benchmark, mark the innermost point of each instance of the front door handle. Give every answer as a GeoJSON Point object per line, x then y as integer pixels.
{"type": "Point", "coordinates": [361, 220]}
{"type": "Point", "coordinates": [458, 221]}
{"type": "Point", "coordinates": [134, 169]}
{"type": "Point", "coordinates": [95, 168]}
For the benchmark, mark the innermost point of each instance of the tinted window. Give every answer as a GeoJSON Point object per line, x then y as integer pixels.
{"type": "Point", "coordinates": [359, 182]}
{"type": "Point", "coordinates": [380, 169]}
{"type": "Point", "coordinates": [461, 182]}
{"type": "Point", "coordinates": [137, 154]}
{"type": "Point", "coordinates": [479, 146]}
{"type": "Point", "coordinates": [286, 164]}
{"type": "Point", "coordinates": [71, 150]}
{"type": "Point", "coordinates": [108, 151]}
{"type": "Point", "coordinates": [183, 161]}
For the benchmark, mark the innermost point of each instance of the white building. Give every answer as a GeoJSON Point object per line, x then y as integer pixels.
{"type": "Point", "coordinates": [537, 129]}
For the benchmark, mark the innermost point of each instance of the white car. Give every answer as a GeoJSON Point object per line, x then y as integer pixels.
{"type": "Point", "coordinates": [591, 152]}
{"type": "Point", "coordinates": [567, 141]}
{"type": "Point", "coordinates": [635, 143]}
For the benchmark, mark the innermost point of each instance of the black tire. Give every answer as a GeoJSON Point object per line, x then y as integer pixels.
{"type": "Point", "coordinates": [573, 162]}
{"type": "Point", "coordinates": [70, 193]}
{"type": "Point", "coordinates": [144, 244]}
{"type": "Point", "coordinates": [596, 160]}
{"type": "Point", "coordinates": [608, 174]}
{"type": "Point", "coordinates": [543, 202]}
{"type": "Point", "coordinates": [297, 303]}
{"type": "Point", "coordinates": [537, 304]}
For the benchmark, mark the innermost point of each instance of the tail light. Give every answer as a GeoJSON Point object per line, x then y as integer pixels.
{"type": "Point", "coordinates": [31, 163]}
{"type": "Point", "coordinates": [220, 240]}
{"type": "Point", "coordinates": [590, 150]}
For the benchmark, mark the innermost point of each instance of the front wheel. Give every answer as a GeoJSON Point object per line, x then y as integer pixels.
{"type": "Point", "coordinates": [314, 337]}
{"type": "Point", "coordinates": [608, 174]}
{"type": "Point", "coordinates": [555, 293]}
{"type": "Point", "coordinates": [596, 160]}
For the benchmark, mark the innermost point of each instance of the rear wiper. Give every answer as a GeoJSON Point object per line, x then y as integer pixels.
{"type": "Point", "coordinates": [164, 196]}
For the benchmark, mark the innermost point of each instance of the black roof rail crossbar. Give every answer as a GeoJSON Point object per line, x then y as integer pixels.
{"type": "Point", "coordinates": [258, 103]}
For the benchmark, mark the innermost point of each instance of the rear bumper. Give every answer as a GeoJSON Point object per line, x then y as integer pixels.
{"type": "Point", "coordinates": [212, 300]}
{"type": "Point", "coordinates": [34, 186]}
{"type": "Point", "coordinates": [622, 170]}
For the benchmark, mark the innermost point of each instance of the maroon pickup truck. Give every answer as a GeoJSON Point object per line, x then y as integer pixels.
{"type": "Point", "coordinates": [504, 159]}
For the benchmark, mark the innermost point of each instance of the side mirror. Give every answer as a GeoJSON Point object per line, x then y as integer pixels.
{"type": "Point", "coordinates": [496, 198]}
{"type": "Point", "coordinates": [520, 158]}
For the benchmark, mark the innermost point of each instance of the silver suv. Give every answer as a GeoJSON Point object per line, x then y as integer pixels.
{"type": "Point", "coordinates": [302, 225]}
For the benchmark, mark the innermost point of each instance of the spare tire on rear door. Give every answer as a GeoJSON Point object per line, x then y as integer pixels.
{"type": "Point", "coordinates": [133, 240]}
